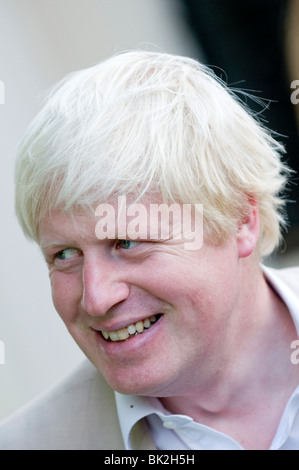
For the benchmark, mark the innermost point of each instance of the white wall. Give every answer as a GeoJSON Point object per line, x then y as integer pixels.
{"type": "Point", "coordinates": [41, 41]}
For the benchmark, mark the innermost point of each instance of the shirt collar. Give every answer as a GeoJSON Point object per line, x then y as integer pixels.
{"type": "Point", "coordinates": [132, 408]}
{"type": "Point", "coordinates": [286, 294]}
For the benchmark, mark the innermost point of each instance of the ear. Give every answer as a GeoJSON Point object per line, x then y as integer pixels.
{"type": "Point", "coordinates": [249, 230]}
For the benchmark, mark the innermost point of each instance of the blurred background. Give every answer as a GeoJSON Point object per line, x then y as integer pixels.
{"type": "Point", "coordinates": [253, 45]}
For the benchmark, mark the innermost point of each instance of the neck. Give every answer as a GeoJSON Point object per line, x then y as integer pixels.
{"type": "Point", "coordinates": [256, 352]}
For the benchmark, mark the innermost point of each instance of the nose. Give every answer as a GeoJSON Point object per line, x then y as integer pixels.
{"type": "Point", "coordinates": [102, 287]}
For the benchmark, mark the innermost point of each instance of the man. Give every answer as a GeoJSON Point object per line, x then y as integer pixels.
{"type": "Point", "coordinates": [188, 337]}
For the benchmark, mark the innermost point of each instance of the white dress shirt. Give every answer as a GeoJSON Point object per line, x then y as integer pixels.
{"type": "Point", "coordinates": [180, 432]}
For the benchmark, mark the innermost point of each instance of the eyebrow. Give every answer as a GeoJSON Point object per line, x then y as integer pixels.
{"type": "Point", "coordinates": [45, 246]}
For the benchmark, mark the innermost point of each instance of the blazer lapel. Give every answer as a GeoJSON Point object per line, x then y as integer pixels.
{"type": "Point", "coordinates": [101, 425]}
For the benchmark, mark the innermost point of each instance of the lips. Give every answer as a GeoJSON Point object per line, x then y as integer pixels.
{"type": "Point", "coordinates": [131, 330]}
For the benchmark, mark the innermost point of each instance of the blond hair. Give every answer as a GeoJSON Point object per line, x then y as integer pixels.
{"type": "Point", "coordinates": [145, 121]}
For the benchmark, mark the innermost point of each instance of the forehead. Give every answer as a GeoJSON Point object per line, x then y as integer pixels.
{"type": "Point", "coordinates": [81, 219]}
{"type": "Point", "coordinates": [61, 228]}
{"type": "Point", "coordinates": [124, 218]}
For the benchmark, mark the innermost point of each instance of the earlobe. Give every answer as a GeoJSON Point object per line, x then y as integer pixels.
{"type": "Point", "coordinates": [248, 232]}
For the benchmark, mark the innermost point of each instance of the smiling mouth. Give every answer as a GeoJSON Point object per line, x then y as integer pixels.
{"type": "Point", "coordinates": [131, 330]}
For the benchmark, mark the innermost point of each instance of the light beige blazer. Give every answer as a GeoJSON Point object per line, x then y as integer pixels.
{"type": "Point", "coordinates": [80, 414]}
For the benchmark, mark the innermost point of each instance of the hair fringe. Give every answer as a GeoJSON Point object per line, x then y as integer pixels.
{"type": "Point", "coordinates": [148, 122]}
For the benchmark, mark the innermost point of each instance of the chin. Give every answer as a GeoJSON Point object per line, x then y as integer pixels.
{"type": "Point", "coordinates": [131, 383]}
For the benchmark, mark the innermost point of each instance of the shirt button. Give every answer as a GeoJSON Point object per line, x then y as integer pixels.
{"type": "Point", "coordinates": [169, 425]}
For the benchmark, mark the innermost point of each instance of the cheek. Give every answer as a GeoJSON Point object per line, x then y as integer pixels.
{"type": "Point", "coordinates": [204, 291]}
{"type": "Point", "coordinates": [66, 294]}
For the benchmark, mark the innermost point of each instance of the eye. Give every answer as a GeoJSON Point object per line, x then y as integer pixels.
{"type": "Point", "coordinates": [68, 253]}
{"type": "Point", "coordinates": [126, 244]}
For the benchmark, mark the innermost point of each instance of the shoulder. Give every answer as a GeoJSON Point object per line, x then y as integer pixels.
{"type": "Point", "coordinates": [79, 413]}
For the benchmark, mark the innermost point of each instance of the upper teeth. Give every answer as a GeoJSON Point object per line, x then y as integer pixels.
{"type": "Point", "coordinates": [129, 331]}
